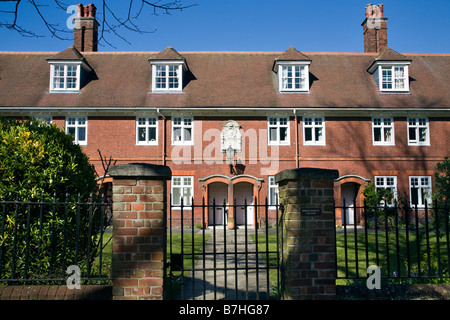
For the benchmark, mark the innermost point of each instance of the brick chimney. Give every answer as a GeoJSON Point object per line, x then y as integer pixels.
{"type": "Point", "coordinates": [375, 29]}
{"type": "Point", "coordinates": [86, 29]}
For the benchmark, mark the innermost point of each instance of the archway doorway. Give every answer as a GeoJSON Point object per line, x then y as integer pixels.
{"type": "Point", "coordinates": [349, 193]}
{"type": "Point", "coordinates": [243, 193]}
{"type": "Point", "coordinates": [217, 194]}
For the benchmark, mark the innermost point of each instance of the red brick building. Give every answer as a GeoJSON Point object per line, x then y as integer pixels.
{"type": "Point", "coordinates": [377, 116]}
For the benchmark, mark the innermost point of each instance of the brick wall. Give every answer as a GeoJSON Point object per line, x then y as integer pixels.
{"type": "Point", "coordinates": [139, 231]}
{"type": "Point", "coordinates": [55, 292]}
{"type": "Point", "coordinates": [309, 241]}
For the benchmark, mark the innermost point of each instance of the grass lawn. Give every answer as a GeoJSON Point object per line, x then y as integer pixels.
{"type": "Point", "coordinates": [187, 248]}
{"type": "Point", "coordinates": [176, 247]}
{"type": "Point", "coordinates": [273, 257]}
{"type": "Point", "coordinates": [394, 254]}
{"type": "Point", "coordinates": [392, 258]}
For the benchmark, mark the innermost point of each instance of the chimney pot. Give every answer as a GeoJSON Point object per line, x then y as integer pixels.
{"type": "Point", "coordinates": [380, 7]}
{"type": "Point", "coordinates": [86, 28]}
{"type": "Point", "coordinates": [80, 10]}
{"type": "Point", "coordinates": [375, 29]}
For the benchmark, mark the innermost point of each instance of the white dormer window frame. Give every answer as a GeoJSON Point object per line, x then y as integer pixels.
{"type": "Point", "coordinates": [65, 76]}
{"type": "Point", "coordinates": [392, 76]}
{"type": "Point", "coordinates": [293, 76]}
{"type": "Point", "coordinates": [167, 76]}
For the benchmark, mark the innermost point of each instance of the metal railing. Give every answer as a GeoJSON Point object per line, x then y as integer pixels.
{"type": "Point", "coordinates": [40, 239]}
{"type": "Point", "coordinates": [211, 261]}
{"type": "Point", "coordinates": [406, 243]}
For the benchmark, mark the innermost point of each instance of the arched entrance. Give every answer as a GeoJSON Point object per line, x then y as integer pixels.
{"type": "Point", "coordinates": [243, 195]}
{"type": "Point", "coordinates": [349, 190]}
{"type": "Point", "coordinates": [236, 191]}
{"type": "Point", "coordinates": [349, 193]}
{"type": "Point", "coordinates": [218, 203]}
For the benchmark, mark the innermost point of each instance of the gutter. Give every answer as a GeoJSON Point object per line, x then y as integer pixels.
{"type": "Point", "coordinates": [225, 110]}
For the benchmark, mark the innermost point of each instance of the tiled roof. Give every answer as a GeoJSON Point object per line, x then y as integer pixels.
{"type": "Point", "coordinates": [292, 54]}
{"type": "Point", "coordinates": [222, 79]}
{"type": "Point", "coordinates": [71, 53]}
{"type": "Point", "coordinates": [390, 55]}
{"type": "Point", "coordinates": [167, 54]}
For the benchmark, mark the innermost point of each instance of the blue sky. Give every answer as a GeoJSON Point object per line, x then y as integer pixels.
{"type": "Point", "coordinates": [260, 25]}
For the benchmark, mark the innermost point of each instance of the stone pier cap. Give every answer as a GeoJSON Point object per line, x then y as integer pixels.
{"type": "Point", "coordinates": [310, 173]}
{"type": "Point", "coordinates": [143, 170]}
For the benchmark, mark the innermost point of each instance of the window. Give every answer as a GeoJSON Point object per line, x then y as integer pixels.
{"type": "Point", "coordinates": [418, 132]}
{"type": "Point", "coordinates": [182, 131]}
{"type": "Point", "coordinates": [420, 190]}
{"type": "Point", "coordinates": [147, 131]}
{"type": "Point", "coordinates": [278, 131]}
{"type": "Point", "coordinates": [313, 131]}
{"type": "Point", "coordinates": [294, 78]}
{"type": "Point", "coordinates": [167, 78]}
{"type": "Point", "coordinates": [383, 131]}
{"type": "Point", "coordinates": [387, 183]}
{"type": "Point", "coordinates": [46, 119]}
{"type": "Point", "coordinates": [182, 189]}
{"type": "Point", "coordinates": [394, 78]}
{"type": "Point", "coordinates": [77, 127]}
{"type": "Point", "coordinates": [65, 77]}
{"type": "Point", "coordinates": [273, 191]}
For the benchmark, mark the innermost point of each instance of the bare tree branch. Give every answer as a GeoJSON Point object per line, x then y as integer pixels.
{"type": "Point", "coordinates": [112, 20]}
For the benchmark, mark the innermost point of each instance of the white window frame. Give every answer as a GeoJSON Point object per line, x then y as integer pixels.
{"type": "Point", "coordinates": [421, 196]}
{"type": "Point", "coordinates": [293, 68]}
{"type": "Point", "coordinates": [314, 123]}
{"type": "Point", "coordinates": [272, 185]}
{"type": "Point", "coordinates": [182, 185]}
{"type": "Point", "coordinates": [65, 77]}
{"type": "Point", "coordinates": [278, 123]}
{"type": "Point", "coordinates": [387, 182]}
{"type": "Point", "coordinates": [417, 124]}
{"type": "Point", "coordinates": [394, 76]}
{"type": "Point", "coordinates": [167, 65]}
{"type": "Point", "coordinates": [183, 126]}
{"type": "Point", "coordinates": [147, 123]}
{"type": "Point", "coordinates": [383, 126]}
{"type": "Point", "coordinates": [78, 123]}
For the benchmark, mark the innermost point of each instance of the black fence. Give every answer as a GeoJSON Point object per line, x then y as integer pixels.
{"type": "Point", "coordinates": [210, 259]}
{"type": "Point", "coordinates": [408, 244]}
{"type": "Point", "coordinates": [40, 239]}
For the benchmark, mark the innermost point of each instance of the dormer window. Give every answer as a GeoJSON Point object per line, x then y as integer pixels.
{"type": "Point", "coordinates": [394, 78]}
{"type": "Point", "coordinates": [292, 68]}
{"type": "Point", "coordinates": [65, 77]}
{"type": "Point", "coordinates": [390, 70]}
{"type": "Point", "coordinates": [167, 77]}
{"type": "Point", "coordinates": [69, 71]}
{"type": "Point", "coordinates": [168, 67]}
{"type": "Point", "coordinates": [293, 77]}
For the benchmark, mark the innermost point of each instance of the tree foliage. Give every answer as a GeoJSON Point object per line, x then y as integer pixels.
{"type": "Point", "coordinates": [38, 159]}
{"type": "Point", "coordinates": [48, 219]}
{"type": "Point", "coordinates": [442, 181]}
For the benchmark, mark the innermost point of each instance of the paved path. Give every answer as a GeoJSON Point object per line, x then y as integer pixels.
{"type": "Point", "coordinates": [221, 279]}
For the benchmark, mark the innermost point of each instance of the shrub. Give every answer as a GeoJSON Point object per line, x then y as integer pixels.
{"type": "Point", "coordinates": [41, 164]}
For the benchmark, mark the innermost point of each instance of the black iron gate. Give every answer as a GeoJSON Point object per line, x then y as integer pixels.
{"type": "Point", "coordinates": [210, 261]}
